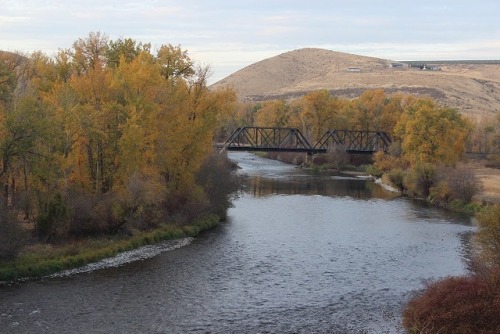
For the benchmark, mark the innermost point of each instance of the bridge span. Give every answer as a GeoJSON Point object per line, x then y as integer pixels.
{"type": "Point", "coordinates": [275, 139]}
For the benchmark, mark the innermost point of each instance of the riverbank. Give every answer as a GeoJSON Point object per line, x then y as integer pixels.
{"type": "Point", "coordinates": [490, 179]}
{"type": "Point", "coordinates": [489, 192]}
{"type": "Point", "coordinates": [39, 259]}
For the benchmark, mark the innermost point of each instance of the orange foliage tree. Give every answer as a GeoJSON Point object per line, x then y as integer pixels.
{"type": "Point", "coordinates": [109, 122]}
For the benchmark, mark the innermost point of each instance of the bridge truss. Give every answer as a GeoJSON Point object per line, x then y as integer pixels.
{"type": "Point", "coordinates": [268, 139]}
{"type": "Point", "coordinates": [355, 141]}
{"type": "Point", "coordinates": [262, 139]}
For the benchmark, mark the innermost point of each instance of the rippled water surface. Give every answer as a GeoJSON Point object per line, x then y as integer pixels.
{"type": "Point", "coordinates": [299, 254]}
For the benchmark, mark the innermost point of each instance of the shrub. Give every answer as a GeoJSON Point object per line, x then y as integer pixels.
{"type": "Point", "coordinates": [12, 235]}
{"type": "Point", "coordinates": [339, 158]}
{"type": "Point", "coordinates": [488, 236]}
{"type": "Point", "coordinates": [440, 193]}
{"type": "Point", "coordinates": [372, 170]}
{"type": "Point", "coordinates": [454, 186]}
{"type": "Point", "coordinates": [396, 177]}
{"type": "Point", "coordinates": [463, 183]}
{"type": "Point", "coordinates": [420, 179]}
{"type": "Point", "coordinates": [184, 205]}
{"type": "Point", "coordinates": [385, 162]}
{"type": "Point", "coordinates": [219, 182]}
{"type": "Point", "coordinates": [51, 222]}
{"type": "Point", "coordinates": [459, 305]}
{"type": "Point", "coordinates": [81, 211]}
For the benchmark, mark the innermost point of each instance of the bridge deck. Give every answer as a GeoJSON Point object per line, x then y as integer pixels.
{"type": "Point", "coordinates": [273, 149]}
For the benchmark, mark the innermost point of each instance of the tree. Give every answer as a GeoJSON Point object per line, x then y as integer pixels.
{"type": "Point", "coordinates": [105, 133]}
{"type": "Point", "coordinates": [134, 130]}
{"type": "Point", "coordinates": [273, 114]}
{"type": "Point", "coordinates": [89, 53]}
{"type": "Point", "coordinates": [175, 62]}
{"type": "Point", "coordinates": [320, 111]}
{"type": "Point", "coordinates": [24, 128]}
{"type": "Point", "coordinates": [369, 108]}
{"type": "Point", "coordinates": [12, 235]}
{"type": "Point", "coordinates": [126, 48]}
{"type": "Point", "coordinates": [9, 65]}
{"type": "Point", "coordinates": [432, 134]}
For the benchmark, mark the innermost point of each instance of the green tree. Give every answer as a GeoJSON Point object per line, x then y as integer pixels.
{"type": "Point", "coordinates": [126, 48]}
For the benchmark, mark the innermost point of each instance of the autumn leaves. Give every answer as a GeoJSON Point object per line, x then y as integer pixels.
{"type": "Point", "coordinates": [105, 122]}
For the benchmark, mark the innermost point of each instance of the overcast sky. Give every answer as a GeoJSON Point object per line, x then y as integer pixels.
{"type": "Point", "coordinates": [229, 35]}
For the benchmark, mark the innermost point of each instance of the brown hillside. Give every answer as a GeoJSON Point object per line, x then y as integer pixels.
{"type": "Point", "coordinates": [473, 88]}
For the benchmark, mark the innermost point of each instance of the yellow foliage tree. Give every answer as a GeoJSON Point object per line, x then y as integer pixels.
{"type": "Point", "coordinates": [432, 134]}
{"type": "Point", "coordinates": [375, 111]}
{"type": "Point", "coordinates": [110, 123]}
{"type": "Point", "coordinates": [273, 114]}
{"type": "Point", "coordinates": [320, 113]}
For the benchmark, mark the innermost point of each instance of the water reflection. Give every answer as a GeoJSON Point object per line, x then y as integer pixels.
{"type": "Point", "coordinates": [259, 186]}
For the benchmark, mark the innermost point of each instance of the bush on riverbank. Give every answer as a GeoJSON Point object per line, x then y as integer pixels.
{"type": "Point", "coordinates": [488, 238]}
{"type": "Point", "coordinates": [445, 186]}
{"type": "Point", "coordinates": [12, 235]}
{"type": "Point", "coordinates": [459, 305]}
{"type": "Point", "coordinates": [464, 305]}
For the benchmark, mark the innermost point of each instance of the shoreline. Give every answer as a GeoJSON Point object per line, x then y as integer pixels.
{"type": "Point", "coordinates": [32, 266]}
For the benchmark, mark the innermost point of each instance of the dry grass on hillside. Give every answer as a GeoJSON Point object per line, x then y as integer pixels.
{"type": "Point", "coordinates": [473, 89]}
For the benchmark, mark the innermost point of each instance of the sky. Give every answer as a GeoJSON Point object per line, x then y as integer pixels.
{"type": "Point", "coordinates": [230, 35]}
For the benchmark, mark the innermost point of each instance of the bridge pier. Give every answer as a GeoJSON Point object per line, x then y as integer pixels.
{"type": "Point", "coordinates": [308, 159]}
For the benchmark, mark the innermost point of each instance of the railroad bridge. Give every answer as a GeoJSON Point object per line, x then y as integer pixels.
{"type": "Point", "coordinates": [271, 139]}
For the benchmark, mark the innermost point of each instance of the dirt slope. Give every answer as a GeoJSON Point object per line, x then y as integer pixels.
{"type": "Point", "coordinates": [473, 88]}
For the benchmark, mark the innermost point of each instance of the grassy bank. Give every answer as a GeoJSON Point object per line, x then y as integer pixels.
{"type": "Point", "coordinates": [39, 260]}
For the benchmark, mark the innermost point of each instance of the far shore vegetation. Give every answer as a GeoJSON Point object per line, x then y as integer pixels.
{"type": "Point", "coordinates": [425, 161]}
{"type": "Point", "coordinates": [109, 145]}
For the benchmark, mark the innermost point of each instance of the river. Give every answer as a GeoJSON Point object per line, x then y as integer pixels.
{"type": "Point", "coordinates": [299, 253]}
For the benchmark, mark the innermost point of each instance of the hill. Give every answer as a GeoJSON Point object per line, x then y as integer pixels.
{"type": "Point", "coordinates": [472, 87]}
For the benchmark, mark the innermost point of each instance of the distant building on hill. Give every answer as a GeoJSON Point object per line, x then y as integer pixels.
{"type": "Point", "coordinates": [397, 65]}
{"type": "Point", "coordinates": [353, 69]}
{"type": "Point", "coordinates": [425, 67]}
{"type": "Point", "coordinates": [432, 68]}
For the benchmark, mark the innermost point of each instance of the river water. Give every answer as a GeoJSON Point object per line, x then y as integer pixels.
{"type": "Point", "coordinates": [300, 253]}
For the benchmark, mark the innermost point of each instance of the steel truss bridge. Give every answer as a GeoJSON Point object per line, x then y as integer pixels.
{"type": "Point", "coordinates": [270, 139]}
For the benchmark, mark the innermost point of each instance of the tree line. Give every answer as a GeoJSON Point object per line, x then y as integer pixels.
{"type": "Point", "coordinates": [107, 135]}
